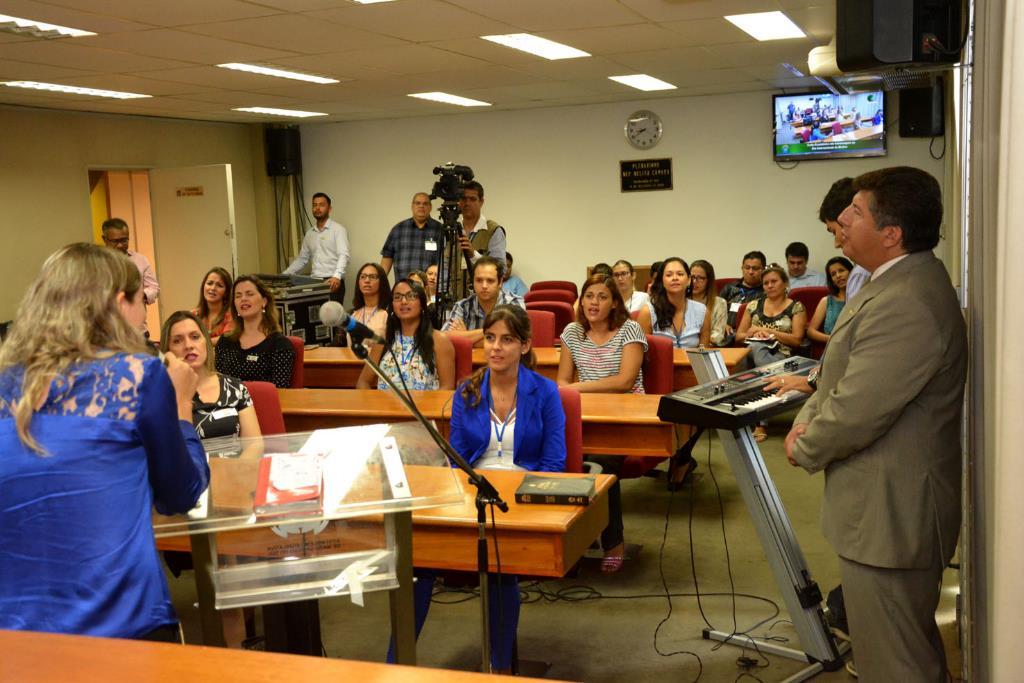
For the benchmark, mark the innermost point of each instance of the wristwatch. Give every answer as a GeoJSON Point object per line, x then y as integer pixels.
{"type": "Point", "coordinates": [812, 378]}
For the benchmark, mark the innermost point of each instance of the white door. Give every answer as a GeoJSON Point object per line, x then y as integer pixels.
{"type": "Point", "coordinates": [193, 230]}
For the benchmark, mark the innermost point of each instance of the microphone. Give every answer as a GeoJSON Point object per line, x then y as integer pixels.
{"type": "Point", "coordinates": [333, 314]}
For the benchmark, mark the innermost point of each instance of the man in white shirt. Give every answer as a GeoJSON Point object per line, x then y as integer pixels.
{"type": "Point", "coordinates": [839, 196]}
{"type": "Point", "coordinates": [325, 248]}
{"type": "Point", "coordinates": [796, 263]}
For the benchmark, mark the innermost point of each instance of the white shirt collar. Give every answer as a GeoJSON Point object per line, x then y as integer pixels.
{"type": "Point", "coordinates": [886, 266]}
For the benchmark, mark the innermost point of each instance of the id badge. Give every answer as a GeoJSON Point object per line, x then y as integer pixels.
{"type": "Point", "coordinates": [252, 358]}
{"type": "Point", "coordinates": [430, 245]}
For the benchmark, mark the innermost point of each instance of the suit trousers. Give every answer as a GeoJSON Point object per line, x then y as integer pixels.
{"type": "Point", "coordinates": [891, 614]}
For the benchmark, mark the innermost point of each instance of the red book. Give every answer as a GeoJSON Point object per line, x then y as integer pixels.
{"type": "Point", "coordinates": [288, 483]}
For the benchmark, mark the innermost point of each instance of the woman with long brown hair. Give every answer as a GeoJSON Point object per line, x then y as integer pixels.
{"type": "Point", "coordinates": [214, 309]}
{"type": "Point", "coordinates": [94, 431]}
{"type": "Point", "coordinates": [255, 350]}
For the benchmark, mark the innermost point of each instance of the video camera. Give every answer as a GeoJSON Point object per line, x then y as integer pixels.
{"type": "Point", "coordinates": [449, 186]}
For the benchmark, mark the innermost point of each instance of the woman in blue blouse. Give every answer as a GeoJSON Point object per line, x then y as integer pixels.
{"type": "Point", "coordinates": [93, 432]}
{"type": "Point", "coordinates": [670, 314]}
{"type": "Point", "coordinates": [505, 416]}
{"type": "Point", "coordinates": [421, 357]}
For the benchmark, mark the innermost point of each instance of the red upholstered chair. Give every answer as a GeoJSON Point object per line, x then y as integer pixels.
{"type": "Point", "coordinates": [463, 357]}
{"type": "Point", "coordinates": [573, 429]}
{"type": "Point", "coordinates": [634, 314]}
{"type": "Point", "coordinates": [563, 313]}
{"type": "Point", "coordinates": [658, 378]}
{"type": "Point", "coordinates": [268, 407]}
{"type": "Point", "coordinates": [557, 284]}
{"type": "Point", "coordinates": [298, 374]}
{"type": "Point", "coordinates": [810, 297]}
{"type": "Point", "coordinates": [543, 324]}
{"type": "Point", "coordinates": [658, 365]}
{"type": "Point", "coordinates": [723, 281]}
{"type": "Point", "coordinates": [837, 128]}
{"type": "Point", "coordinates": [550, 295]}
{"type": "Point", "coordinates": [739, 319]}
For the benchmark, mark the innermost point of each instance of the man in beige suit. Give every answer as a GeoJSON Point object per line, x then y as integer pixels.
{"type": "Point", "coordinates": [885, 426]}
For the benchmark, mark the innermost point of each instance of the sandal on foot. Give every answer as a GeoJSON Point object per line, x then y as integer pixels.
{"type": "Point", "coordinates": [675, 480]}
{"type": "Point", "coordinates": [760, 434]}
{"type": "Point", "coordinates": [612, 564]}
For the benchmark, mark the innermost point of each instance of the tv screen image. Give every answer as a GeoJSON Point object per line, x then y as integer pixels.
{"type": "Point", "coordinates": [826, 126]}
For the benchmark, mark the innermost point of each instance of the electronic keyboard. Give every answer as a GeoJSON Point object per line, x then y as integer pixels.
{"type": "Point", "coordinates": [736, 401]}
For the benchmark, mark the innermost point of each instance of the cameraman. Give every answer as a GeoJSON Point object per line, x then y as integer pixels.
{"type": "Point", "coordinates": [480, 236]}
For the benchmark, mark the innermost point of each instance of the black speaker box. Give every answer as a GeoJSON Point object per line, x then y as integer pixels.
{"type": "Point", "coordinates": [921, 112]}
{"type": "Point", "coordinates": [873, 34]}
{"type": "Point", "coordinates": [284, 152]}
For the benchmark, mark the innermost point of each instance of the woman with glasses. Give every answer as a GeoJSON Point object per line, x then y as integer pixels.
{"type": "Point", "coordinates": [419, 357]}
{"type": "Point", "coordinates": [773, 326]}
{"type": "Point", "coordinates": [702, 289]}
{"type": "Point", "coordinates": [373, 294]}
{"type": "Point", "coordinates": [625, 282]}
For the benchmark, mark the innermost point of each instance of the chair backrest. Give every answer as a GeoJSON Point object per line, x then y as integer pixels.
{"type": "Point", "coordinates": [739, 319]}
{"type": "Point", "coordinates": [658, 365]}
{"type": "Point", "coordinates": [298, 372]}
{"type": "Point", "coordinates": [809, 297]}
{"type": "Point", "coordinates": [563, 313]}
{"type": "Point", "coordinates": [573, 429]}
{"type": "Point", "coordinates": [268, 407]}
{"type": "Point", "coordinates": [723, 281]}
{"type": "Point", "coordinates": [550, 295]}
{"type": "Point", "coordinates": [543, 325]}
{"type": "Point", "coordinates": [635, 315]}
{"type": "Point", "coordinates": [463, 357]}
{"type": "Point", "coordinates": [557, 284]}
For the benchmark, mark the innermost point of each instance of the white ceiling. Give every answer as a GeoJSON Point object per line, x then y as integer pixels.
{"type": "Point", "coordinates": [382, 52]}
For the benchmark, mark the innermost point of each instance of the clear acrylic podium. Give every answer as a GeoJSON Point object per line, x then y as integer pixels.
{"type": "Point", "coordinates": [357, 540]}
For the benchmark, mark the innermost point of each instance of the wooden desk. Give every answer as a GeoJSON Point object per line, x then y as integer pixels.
{"type": "Point", "coordinates": [613, 424]}
{"type": "Point", "coordinates": [32, 657]}
{"type": "Point", "coordinates": [331, 368]}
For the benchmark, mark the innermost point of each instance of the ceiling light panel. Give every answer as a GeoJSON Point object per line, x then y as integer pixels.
{"type": "Point", "coordinates": [278, 73]}
{"type": "Point", "coordinates": [542, 47]}
{"type": "Point", "coordinates": [39, 29]}
{"type": "Point", "coordinates": [766, 25]}
{"type": "Point", "coordinates": [449, 99]}
{"type": "Point", "coordinates": [74, 90]}
{"type": "Point", "coordinates": [643, 82]}
{"type": "Point", "coordinates": [293, 113]}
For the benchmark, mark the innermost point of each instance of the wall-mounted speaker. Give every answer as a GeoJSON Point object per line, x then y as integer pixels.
{"type": "Point", "coordinates": [921, 112]}
{"type": "Point", "coordinates": [284, 151]}
{"type": "Point", "coordinates": [873, 34]}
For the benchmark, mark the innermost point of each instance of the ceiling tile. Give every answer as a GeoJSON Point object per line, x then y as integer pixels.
{"type": "Point", "coordinates": [127, 83]}
{"type": "Point", "coordinates": [613, 40]}
{"type": "Point", "coordinates": [234, 98]}
{"type": "Point", "coordinates": [336, 65]}
{"type": "Point", "coordinates": [661, 10]}
{"type": "Point", "coordinates": [66, 53]}
{"type": "Point", "coordinates": [171, 43]}
{"type": "Point", "coordinates": [545, 15]}
{"type": "Point", "coordinates": [572, 69]}
{"type": "Point", "coordinates": [759, 54]}
{"type": "Point", "coordinates": [24, 71]}
{"type": "Point", "coordinates": [538, 92]}
{"type": "Point", "coordinates": [414, 20]}
{"type": "Point", "coordinates": [817, 22]}
{"type": "Point", "coordinates": [173, 13]}
{"type": "Point", "coordinates": [411, 59]}
{"type": "Point", "coordinates": [67, 16]}
{"type": "Point", "coordinates": [487, 51]}
{"type": "Point", "coordinates": [299, 33]}
{"type": "Point", "coordinates": [654, 61]}
{"type": "Point", "coordinates": [708, 32]}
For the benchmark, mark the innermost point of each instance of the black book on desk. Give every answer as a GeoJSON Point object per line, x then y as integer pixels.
{"type": "Point", "coordinates": [542, 490]}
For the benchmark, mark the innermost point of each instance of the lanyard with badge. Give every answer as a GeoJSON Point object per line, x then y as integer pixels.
{"type": "Point", "coordinates": [501, 425]}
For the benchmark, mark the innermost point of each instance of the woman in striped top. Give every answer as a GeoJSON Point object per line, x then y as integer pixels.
{"type": "Point", "coordinates": [602, 352]}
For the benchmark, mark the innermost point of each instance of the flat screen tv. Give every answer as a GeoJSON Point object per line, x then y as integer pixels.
{"type": "Point", "coordinates": [821, 125]}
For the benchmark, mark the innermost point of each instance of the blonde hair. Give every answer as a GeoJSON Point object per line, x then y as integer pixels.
{"type": "Point", "coordinates": [70, 314]}
{"type": "Point", "coordinates": [181, 316]}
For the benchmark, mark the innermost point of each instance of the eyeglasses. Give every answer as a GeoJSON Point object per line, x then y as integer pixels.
{"type": "Point", "coordinates": [122, 240]}
{"type": "Point", "coordinates": [698, 278]}
{"type": "Point", "coordinates": [408, 296]}
{"type": "Point", "coordinates": [369, 276]}
{"type": "Point", "coordinates": [619, 276]}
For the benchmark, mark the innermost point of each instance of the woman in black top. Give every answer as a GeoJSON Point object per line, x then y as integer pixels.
{"type": "Point", "coordinates": [222, 405]}
{"type": "Point", "coordinates": [255, 350]}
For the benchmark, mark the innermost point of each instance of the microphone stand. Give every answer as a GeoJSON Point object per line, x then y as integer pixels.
{"type": "Point", "coordinates": [486, 495]}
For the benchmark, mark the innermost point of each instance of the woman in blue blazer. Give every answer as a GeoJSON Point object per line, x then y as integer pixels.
{"type": "Point", "coordinates": [505, 416]}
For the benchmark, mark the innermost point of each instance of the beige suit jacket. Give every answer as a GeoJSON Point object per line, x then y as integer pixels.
{"type": "Point", "coordinates": [884, 423]}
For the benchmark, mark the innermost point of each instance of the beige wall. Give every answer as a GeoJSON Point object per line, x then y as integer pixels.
{"type": "Point", "coordinates": [44, 187]}
{"type": "Point", "coordinates": [551, 177]}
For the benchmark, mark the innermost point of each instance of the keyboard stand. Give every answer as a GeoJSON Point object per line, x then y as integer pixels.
{"type": "Point", "coordinates": [799, 591]}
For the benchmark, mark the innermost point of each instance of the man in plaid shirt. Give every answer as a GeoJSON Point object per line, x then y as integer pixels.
{"type": "Point", "coordinates": [413, 243]}
{"type": "Point", "coordinates": [467, 315]}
